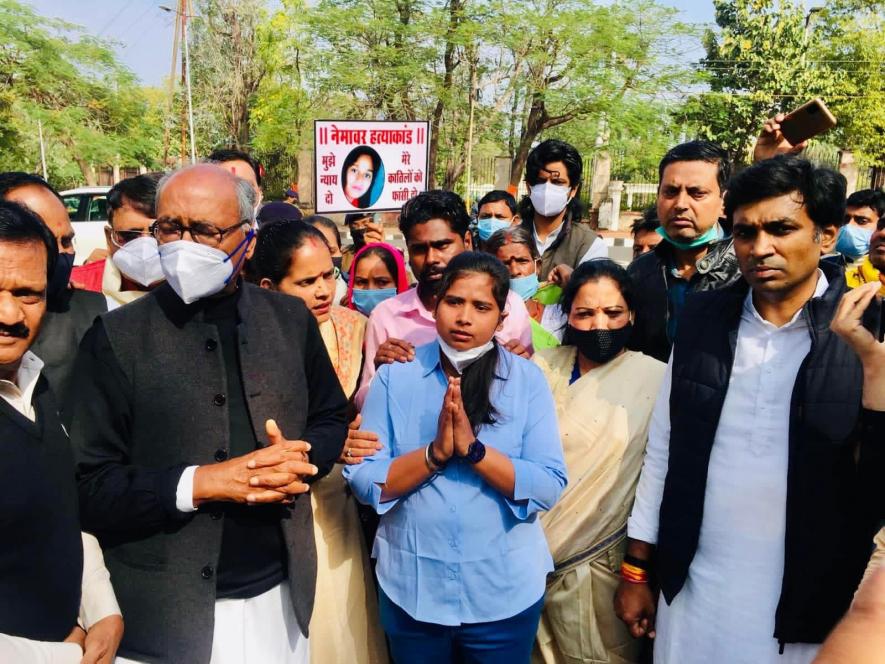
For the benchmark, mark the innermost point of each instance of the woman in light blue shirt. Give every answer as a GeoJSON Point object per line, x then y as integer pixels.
{"type": "Point", "coordinates": [471, 454]}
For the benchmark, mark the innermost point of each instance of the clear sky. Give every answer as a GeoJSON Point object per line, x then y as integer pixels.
{"type": "Point", "coordinates": [143, 31]}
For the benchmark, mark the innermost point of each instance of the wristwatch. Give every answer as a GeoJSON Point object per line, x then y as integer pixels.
{"type": "Point", "coordinates": [476, 452]}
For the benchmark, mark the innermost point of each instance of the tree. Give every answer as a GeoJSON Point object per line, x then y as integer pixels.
{"type": "Point", "coordinates": [228, 66]}
{"type": "Point", "coordinates": [572, 60]}
{"type": "Point", "coordinates": [771, 56]}
{"type": "Point", "coordinates": [91, 108]}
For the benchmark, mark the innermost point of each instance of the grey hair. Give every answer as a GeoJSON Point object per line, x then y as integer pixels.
{"type": "Point", "coordinates": [246, 196]}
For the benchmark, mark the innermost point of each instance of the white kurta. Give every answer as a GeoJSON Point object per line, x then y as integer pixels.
{"type": "Point", "coordinates": [725, 612]}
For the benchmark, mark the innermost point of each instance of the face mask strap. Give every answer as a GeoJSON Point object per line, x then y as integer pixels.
{"type": "Point", "coordinates": [249, 235]}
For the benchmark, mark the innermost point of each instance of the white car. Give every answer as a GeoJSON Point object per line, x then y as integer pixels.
{"type": "Point", "coordinates": [88, 209]}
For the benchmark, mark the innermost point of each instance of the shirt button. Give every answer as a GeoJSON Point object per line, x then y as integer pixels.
{"type": "Point", "coordinates": [221, 454]}
{"type": "Point", "coordinates": [452, 509]}
{"type": "Point", "coordinates": [453, 544]}
{"type": "Point", "coordinates": [211, 344]}
{"type": "Point", "coordinates": [219, 400]}
{"type": "Point", "coordinates": [215, 516]}
{"type": "Point", "coordinates": [207, 572]}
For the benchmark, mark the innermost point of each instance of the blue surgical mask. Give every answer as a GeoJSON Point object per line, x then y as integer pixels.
{"type": "Point", "coordinates": [853, 241]}
{"type": "Point", "coordinates": [366, 300]}
{"type": "Point", "coordinates": [710, 236]}
{"type": "Point", "coordinates": [489, 226]}
{"type": "Point", "coordinates": [525, 287]}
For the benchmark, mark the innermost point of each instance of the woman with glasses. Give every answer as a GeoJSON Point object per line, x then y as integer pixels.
{"type": "Point", "coordinates": [294, 258]}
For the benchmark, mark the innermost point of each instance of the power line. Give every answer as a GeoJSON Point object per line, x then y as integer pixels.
{"type": "Point", "coordinates": [114, 18]}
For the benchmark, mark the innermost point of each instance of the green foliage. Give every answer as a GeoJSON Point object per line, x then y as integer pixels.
{"type": "Point", "coordinates": [771, 56]}
{"type": "Point", "coordinates": [91, 108]}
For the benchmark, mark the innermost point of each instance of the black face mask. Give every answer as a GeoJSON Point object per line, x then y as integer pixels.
{"type": "Point", "coordinates": [61, 275]}
{"type": "Point", "coordinates": [598, 346]}
{"type": "Point", "coordinates": [358, 235]}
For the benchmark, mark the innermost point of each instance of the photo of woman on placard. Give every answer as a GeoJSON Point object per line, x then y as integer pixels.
{"type": "Point", "coordinates": [362, 177]}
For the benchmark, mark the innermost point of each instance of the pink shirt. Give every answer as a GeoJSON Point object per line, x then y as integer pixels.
{"type": "Point", "coordinates": [405, 317]}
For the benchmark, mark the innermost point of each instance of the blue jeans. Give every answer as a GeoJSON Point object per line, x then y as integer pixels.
{"type": "Point", "coordinates": [507, 641]}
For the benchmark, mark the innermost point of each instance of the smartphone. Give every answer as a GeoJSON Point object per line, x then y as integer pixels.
{"type": "Point", "coordinates": [807, 121]}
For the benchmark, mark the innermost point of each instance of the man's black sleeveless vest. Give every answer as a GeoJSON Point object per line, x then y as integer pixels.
{"type": "Point", "coordinates": [41, 552]}
{"type": "Point", "coordinates": [827, 540]}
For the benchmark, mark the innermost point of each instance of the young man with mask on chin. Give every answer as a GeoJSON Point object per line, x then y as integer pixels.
{"type": "Point", "coordinates": [185, 400]}
{"type": "Point", "coordinates": [761, 487]}
{"type": "Point", "coordinates": [436, 226]}
{"type": "Point", "coordinates": [693, 255]}
{"type": "Point", "coordinates": [69, 311]}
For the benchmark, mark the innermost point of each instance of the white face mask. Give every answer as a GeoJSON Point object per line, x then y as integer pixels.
{"type": "Point", "coordinates": [195, 270]}
{"type": "Point", "coordinates": [139, 260]}
{"type": "Point", "coordinates": [461, 359]}
{"type": "Point", "coordinates": [549, 199]}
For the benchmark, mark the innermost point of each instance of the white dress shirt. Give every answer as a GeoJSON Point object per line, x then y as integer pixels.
{"type": "Point", "coordinates": [97, 600]}
{"type": "Point", "coordinates": [597, 250]}
{"type": "Point", "coordinates": [725, 612]}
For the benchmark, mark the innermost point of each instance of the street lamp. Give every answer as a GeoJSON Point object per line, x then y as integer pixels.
{"type": "Point", "coordinates": [187, 76]}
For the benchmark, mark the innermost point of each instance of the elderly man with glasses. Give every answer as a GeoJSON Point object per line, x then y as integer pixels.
{"type": "Point", "coordinates": [204, 411]}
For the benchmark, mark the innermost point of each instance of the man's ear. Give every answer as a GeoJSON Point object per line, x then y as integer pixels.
{"type": "Point", "coordinates": [504, 315]}
{"type": "Point", "coordinates": [266, 283]}
{"type": "Point", "coordinates": [107, 237]}
{"type": "Point", "coordinates": [468, 241]}
{"type": "Point", "coordinates": [250, 249]}
{"type": "Point", "coordinates": [828, 236]}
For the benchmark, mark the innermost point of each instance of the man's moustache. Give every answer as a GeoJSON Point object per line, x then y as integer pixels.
{"type": "Point", "coordinates": [19, 330]}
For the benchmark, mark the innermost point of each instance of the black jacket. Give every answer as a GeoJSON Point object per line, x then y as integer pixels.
{"type": "Point", "coordinates": [717, 269]}
{"type": "Point", "coordinates": [152, 399]}
{"type": "Point", "coordinates": [68, 317]}
{"type": "Point", "coordinates": [835, 462]}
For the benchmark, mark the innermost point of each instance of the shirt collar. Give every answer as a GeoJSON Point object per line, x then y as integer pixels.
{"type": "Point", "coordinates": [551, 238]}
{"type": "Point", "coordinates": [26, 377]}
{"type": "Point", "coordinates": [411, 303]}
{"type": "Point", "coordinates": [428, 356]}
{"type": "Point", "coordinates": [750, 308]}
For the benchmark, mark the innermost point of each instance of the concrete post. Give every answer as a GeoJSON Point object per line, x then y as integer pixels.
{"type": "Point", "coordinates": [849, 168]}
{"type": "Point", "coordinates": [615, 189]}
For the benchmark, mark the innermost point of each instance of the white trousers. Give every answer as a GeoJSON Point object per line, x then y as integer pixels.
{"type": "Point", "coordinates": [258, 630]}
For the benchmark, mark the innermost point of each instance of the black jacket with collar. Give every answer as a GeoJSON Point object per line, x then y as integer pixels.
{"type": "Point", "coordinates": [835, 459]}
{"type": "Point", "coordinates": [151, 399]}
{"type": "Point", "coordinates": [717, 269]}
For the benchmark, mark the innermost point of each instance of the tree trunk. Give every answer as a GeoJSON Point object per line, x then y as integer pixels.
{"type": "Point", "coordinates": [533, 126]}
{"type": "Point", "coordinates": [455, 9]}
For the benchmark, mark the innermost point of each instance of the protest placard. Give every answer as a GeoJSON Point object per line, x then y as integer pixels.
{"type": "Point", "coordinates": [368, 165]}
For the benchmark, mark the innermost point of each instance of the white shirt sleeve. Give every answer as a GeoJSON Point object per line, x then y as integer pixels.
{"type": "Point", "coordinates": [97, 600]}
{"type": "Point", "coordinates": [18, 650]}
{"type": "Point", "coordinates": [184, 494]}
{"type": "Point", "coordinates": [643, 522]}
{"type": "Point", "coordinates": [599, 249]}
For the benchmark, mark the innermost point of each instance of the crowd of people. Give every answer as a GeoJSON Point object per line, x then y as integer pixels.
{"type": "Point", "coordinates": [234, 439]}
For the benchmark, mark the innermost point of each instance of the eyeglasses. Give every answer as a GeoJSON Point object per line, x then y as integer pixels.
{"type": "Point", "coordinates": [119, 238]}
{"type": "Point", "coordinates": [170, 230]}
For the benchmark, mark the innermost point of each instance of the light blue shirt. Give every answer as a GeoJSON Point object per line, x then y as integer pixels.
{"type": "Point", "coordinates": [455, 550]}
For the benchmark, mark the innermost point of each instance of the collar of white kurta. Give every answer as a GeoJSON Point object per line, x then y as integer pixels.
{"type": "Point", "coordinates": [799, 317]}
{"type": "Point", "coordinates": [19, 393]}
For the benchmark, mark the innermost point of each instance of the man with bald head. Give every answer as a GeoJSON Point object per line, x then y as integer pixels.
{"type": "Point", "coordinates": [69, 312]}
{"type": "Point", "coordinates": [203, 412]}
